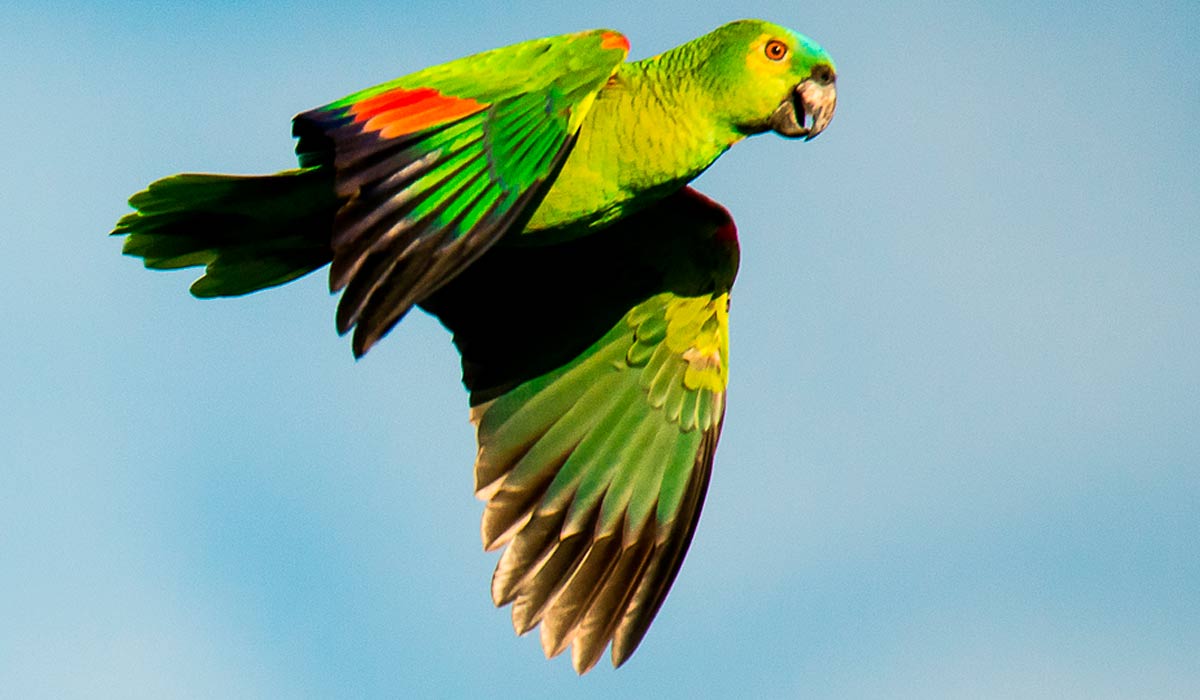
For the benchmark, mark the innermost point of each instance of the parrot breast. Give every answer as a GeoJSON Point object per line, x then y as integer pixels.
{"type": "Point", "coordinates": [646, 135]}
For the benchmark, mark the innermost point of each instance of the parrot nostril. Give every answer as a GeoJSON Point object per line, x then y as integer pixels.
{"type": "Point", "coordinates": [823, 74]}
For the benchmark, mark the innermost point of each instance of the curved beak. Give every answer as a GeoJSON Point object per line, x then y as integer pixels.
{"type": "Point", "coordinates": [808, 110]}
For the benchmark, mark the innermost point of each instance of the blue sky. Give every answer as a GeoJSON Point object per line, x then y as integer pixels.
{"type": "Point", "coordinates": [961, 457]}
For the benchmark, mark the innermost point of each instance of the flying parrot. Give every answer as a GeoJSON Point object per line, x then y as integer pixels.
{"type": "Point", "coordinates": [535, 199]}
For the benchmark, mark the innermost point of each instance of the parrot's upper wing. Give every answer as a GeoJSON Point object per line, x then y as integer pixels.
{"type": "Point", "coordinates": [436, 166]}
{"type": "Point", "coordinates": [597, 379]}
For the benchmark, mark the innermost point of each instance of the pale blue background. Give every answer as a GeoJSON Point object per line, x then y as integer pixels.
{"type": "Point", "coordinates": [961, 456]}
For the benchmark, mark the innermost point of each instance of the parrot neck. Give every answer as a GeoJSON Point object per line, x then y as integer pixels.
{"type": "Point", "coordinates": [675, 132]}
{"type": "Point", "coordinates": [650, 131]}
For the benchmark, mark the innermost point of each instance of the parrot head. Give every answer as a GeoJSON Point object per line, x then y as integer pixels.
{"type": "Point", "coordinates": [771, 78]}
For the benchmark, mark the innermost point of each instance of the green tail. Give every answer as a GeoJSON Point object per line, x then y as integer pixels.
{"type": "Point", "coordinates": [249, 231]}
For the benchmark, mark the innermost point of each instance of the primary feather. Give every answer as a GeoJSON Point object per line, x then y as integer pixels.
{"type": "Point", "coordinates": [594, 469]}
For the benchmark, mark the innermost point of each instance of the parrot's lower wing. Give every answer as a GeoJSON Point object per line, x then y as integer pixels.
{"type": "Point", "coordinates": [597, 371]}
{"type": "Point", "coordinates": [436, 166]}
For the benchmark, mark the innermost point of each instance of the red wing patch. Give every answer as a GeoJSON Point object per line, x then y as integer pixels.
{"type": "Point", "coordinates": [398, 112]}
{"type": "Point", "coordinates": [614, 40]}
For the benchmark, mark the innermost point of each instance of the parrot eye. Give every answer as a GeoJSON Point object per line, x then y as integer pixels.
{"type": "Point", "coordinates": [775, 50]}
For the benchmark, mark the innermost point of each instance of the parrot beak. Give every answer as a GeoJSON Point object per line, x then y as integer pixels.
{"type": "Point", "coordinates": [808, 110]}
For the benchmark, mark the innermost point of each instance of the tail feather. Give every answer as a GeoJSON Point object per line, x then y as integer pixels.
{"type": "Point", "coordinates": [249, 231]}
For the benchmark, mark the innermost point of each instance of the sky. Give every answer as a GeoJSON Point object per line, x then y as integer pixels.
{"type": "Point", "coordinates": [960, 458]}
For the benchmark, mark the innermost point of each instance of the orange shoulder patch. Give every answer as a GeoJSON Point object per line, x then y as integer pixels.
{"type": "Point", "coordinates": [400, 111]}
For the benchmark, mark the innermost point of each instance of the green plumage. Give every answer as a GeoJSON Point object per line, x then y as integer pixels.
{"type": "Point", "coordinates": [534, 199]}
{"type": "Point", "coordinates": [575, 460]}
{"type": "Point", "coordinates": [250, 232]}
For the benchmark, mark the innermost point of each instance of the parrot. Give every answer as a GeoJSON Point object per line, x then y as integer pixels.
{"type": "Point", "coordinates": [535, 199]}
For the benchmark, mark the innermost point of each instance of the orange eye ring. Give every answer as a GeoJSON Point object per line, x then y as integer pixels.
{"type": "Point", "coordinates": [775, 50]}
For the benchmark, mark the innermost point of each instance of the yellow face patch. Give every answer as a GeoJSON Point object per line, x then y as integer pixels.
{"type": "Point", "coordinates": [759, 60]}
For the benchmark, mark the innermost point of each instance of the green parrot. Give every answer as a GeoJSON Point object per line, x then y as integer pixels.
{"type": "Point", "coordinates": [535, 199]}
